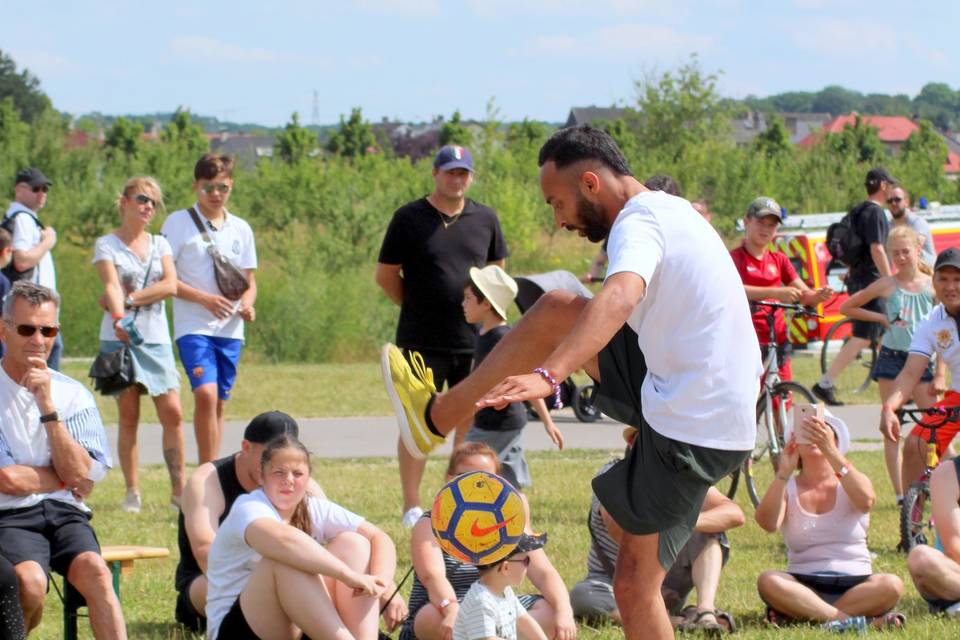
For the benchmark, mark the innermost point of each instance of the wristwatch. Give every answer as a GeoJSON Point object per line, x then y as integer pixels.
{"type": "Point", "coordinates": [128, 302]}
{"type": "Point", "coordinates": [50, 417]}
{"type": "Point", "coordinates": [844, 470]}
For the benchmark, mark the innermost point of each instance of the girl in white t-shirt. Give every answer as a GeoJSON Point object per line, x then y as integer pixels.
{"type": "Point", "coordinates": [138, 275]}
{"type": "Point", "coordinates": [284, 561]}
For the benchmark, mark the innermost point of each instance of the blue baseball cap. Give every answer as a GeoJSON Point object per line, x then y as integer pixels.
{"type": "Point", "coordinates": [453, 156]}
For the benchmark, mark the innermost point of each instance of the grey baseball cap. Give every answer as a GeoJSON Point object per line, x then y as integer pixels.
{"type": "Point", "coordinates": [763, 206]}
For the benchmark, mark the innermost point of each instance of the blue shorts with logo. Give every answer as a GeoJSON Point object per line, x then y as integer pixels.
{"type": "Point", "coordinates": [208, 359]}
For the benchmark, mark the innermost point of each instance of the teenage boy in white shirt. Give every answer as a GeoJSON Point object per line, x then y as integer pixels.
{"type": "Point", "coordinates": [669, 333]}
{"type": "Point", "coordinates": [207, 327]}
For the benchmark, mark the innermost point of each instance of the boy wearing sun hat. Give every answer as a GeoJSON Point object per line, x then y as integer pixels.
{"type": "Point", "coordinates": [486, 296]}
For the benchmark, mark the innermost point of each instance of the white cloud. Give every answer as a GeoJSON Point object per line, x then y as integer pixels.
{"type": "Point", "coordinates": [201, 48]}
{"type": "Point", "coordinates": [43, 63]}
{"type": "Point", "coordinates": [625, 39]}
{"type": "Point", "coordinates": [399, 7]}
{"type": "Point", "coordinates": [837, 38]}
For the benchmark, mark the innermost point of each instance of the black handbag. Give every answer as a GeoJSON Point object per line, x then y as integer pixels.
{"type": "Point", "coordinates": [10, 270]}
{"type": "Point", "coordinates": [231, 280]}
{"type": "Point", "coordinates": [113, 372]}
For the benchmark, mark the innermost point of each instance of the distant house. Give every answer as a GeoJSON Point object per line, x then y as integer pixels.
{"type": "Point", "coordinates": [893, 132]}
{"type": "Point", "coordinates": [247, 149]}
{"type": "Point", "coordinates": [589, 115]}
{"type": "Point", "coordinates": [800, 125]}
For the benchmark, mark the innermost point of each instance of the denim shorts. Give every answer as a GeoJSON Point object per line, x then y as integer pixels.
{"type": "Point", "coordinates": [890, 362]}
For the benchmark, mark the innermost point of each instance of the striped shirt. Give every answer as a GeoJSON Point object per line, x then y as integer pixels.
{"type": "Point", "coordinates": [484, 614]}
{"type": "Point", "coordinates": [461, 577]}
{"type": "Point", "coordinates": [23, 439]}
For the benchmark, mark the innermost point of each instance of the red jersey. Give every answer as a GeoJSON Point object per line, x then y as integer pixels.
{"type": "Point", "coordinates": [772, 270]}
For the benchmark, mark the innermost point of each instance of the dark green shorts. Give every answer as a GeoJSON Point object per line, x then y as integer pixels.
{"type": "Point", "coordinates": [660, 484]}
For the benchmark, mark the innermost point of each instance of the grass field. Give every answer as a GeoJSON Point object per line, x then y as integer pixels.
{"type": "Point", "coordinates": [559, 500]}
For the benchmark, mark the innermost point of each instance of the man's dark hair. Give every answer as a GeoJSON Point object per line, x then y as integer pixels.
{"type": "Point", "coordinates": [583, 142]}
{"type": "Point", "coordinates": [211, 165]}
{"type": "Point", "coordinates": [664, 183]}
{"type": "Point", "coordinates": [470, 284]}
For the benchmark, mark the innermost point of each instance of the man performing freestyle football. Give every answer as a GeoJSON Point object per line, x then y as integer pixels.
{"type": "Point", "coordinates": [671, 297]}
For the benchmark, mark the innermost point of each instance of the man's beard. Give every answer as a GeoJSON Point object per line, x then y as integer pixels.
{"type": "Point", "coordinates": [592, 219]}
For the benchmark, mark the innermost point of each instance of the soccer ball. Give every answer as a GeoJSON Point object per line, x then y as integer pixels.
{"type": "Point", "coordinates": [478, 518]}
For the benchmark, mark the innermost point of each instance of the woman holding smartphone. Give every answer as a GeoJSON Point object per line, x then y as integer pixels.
{"type": "Point", "coordinates": [823, 513]}
{"type": "Point", "coordinates": [138, 274]}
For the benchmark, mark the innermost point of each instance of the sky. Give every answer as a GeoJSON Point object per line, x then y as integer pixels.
{"type": "Point", "coordinates": [414, 59]}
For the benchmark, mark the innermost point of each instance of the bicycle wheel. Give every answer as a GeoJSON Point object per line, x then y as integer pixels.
{"type": "Point", "coordinates": [758, 475]}
{"type": "Point", "coordinates": [728, 486]}
{"type": "Point", "coordinates": [582, 403]}
{"type": "Point", "coordinates": [855, 378]}
{"type": "Point", "coordinates": [915, 516]}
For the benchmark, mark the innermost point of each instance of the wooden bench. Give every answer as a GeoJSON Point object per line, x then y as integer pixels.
{"type": "Point", "coordinates": [120, 559]}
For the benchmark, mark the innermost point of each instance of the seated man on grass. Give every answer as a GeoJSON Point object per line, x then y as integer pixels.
{"type": "Point", "coordinates": [936, 571]}
{"type": "Point", "coordinates": [53, 447]}
{"type": "Point", "coordinates": [207, 499]}
{"type": "Point", "coordinates": [698, 565]}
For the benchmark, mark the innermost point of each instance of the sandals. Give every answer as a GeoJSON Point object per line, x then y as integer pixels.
{"type": "Point", "coordinates": [890, 621]}
{"type": "Point", "coordinates": [722, 623]}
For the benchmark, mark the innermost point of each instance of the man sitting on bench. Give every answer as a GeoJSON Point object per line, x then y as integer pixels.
{"type": "Point", "coordinates": [53, 447]}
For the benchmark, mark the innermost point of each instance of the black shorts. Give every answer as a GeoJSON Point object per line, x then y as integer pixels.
{"type": "Point", "coordinates": [51, 534]}
{"type": "Point", "coordinates": [234, 625]}
{"type": "Point", "coordinates": [185, 614]}
{"type": "Point", "coordinates": [448, 368]}
{"type": "Point", "coordinates": [869, 330]}
{"type": "Point", "coordinates": [660, 484]}
{"type": "Point", "coordinates": [830, 588]}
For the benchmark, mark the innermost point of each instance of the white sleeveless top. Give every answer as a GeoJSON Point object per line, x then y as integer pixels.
{"type": "Point", "coordinates": [835, 541]}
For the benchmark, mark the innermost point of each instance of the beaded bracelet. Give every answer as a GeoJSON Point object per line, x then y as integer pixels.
{"type": "Point", "coordinates": [546, 375]}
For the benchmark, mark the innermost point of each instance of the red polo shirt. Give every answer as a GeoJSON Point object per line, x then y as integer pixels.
{"type": "Point", "coordinates": [772, 270]}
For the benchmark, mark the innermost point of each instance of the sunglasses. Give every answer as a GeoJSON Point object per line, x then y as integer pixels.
{"type": "Point", "coordinates": [43, 188]}
{"type": "Point", "coordinates": [27, 330]}
{"type": "Point", "coordinates": [892, 200]}
{"type": "Point", "coordinates": [221, 187]}
{"type": "Point", "coordinates": [525, 561]}
{"type": "Point", "coordinates": [144, 199]}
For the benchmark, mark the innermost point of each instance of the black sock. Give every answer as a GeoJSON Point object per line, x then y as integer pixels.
{"type": "Point", "coordinates": [429, 421]}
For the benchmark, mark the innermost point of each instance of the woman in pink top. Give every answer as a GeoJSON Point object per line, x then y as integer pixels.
{"type": "Point", "coordinates": [823, 512]}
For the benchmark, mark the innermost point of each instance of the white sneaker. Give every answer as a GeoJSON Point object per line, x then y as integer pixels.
{"type": "Point", "coordinates": [953, 610]}
{"type": "Point", "coordinates": [131, 504]}
{"type": "Point", "coordinates": [411, 516]}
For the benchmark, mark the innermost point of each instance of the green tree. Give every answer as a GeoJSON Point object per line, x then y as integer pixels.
{"type": "Point", "coordinates": [455, 132]}
{"type": "Point", "coordinates": [679, 110]}
{"type": "Point", "coordinates": [354, 137]}
{"type": "Point", "coordinates": [623, 133]}
{"type": "Point", "coordinates": [922, 157]}
{"type": "Point", "coordinates": [23, 88]}
{"type": "Point", "coordinates": [123, 139]}
{"type": "Point", "coordinates": [295, 143]}
{"type": "Point", "coordinates": [836, 100]}
{"type": "Point", "coordinates": [859, 141]}
{"type": "Point", "coordinates": [14, 139]}
{"type": "Point", "coordinates": [774, 141]}
{"type": "Point", "coordinates": [184, 134]}
{"type": "Point", "coordinates": [526, 133]}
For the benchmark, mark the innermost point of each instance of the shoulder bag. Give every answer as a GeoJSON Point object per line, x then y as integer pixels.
{"type": "Point", "coordinates": [231, 280]}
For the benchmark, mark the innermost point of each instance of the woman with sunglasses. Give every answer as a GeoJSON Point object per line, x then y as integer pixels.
{"type": "Point", "coordinates": [138, 274]}
{"type": "Point", "coordinates": [441, 581]}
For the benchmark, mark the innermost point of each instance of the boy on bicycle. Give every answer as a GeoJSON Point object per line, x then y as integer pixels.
{"type": "Point", "coordinates": [935, 335]}
{"type": "Point", "coordinates": [769, 275]}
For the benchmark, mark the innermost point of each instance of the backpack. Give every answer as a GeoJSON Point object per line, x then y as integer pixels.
{"type": "Point", "coordinates": [843, 241]}
{"type": "Point", "coordinates": [11, 271]}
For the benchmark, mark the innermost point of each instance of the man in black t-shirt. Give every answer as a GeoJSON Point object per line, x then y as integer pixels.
{"type": "Point", "coordinates": [871, 226]}
{"type": "Point", "coordinates": [425, 259]}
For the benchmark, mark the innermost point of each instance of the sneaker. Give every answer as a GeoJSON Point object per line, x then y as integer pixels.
{"type": "Point", "coordinates": [411, 516]}
{"type": "Point", "coordinates": [826, 394]}
{"type": "Point", "coordinates": [953, 610]}
{"type": "Point", "coordinates": [410, 389]}
{"type": "Point", "coordinates": [854, 624]}
{"type": "Point", "coordinates": [131, 504]}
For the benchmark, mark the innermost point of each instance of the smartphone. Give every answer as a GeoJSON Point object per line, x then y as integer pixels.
{"type": "Point", "coordinates": [801, 411]}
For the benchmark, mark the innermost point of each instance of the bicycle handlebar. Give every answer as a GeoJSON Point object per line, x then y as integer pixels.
{"type": "Point", "coordinates": [940, 416]}
{"type": "Point", "coordinates": [790, 306]}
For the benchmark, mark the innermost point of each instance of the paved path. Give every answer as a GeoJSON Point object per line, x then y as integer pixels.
{"type": "Point", "coordinates": [377, 436]}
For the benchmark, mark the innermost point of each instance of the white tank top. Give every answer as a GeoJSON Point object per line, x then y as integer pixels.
{"type": "Point", "coordinates": [835, 541]}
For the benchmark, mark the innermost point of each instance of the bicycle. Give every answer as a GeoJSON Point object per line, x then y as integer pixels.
{"type": "Point", "coordinates": [852, 378]}
{"type": "Point", "coordinates": [772, 414]}
{"type": "Point", "coordinates": [915, 512]}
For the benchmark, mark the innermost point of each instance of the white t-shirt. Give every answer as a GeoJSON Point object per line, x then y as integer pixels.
{"type": "Point", "coordinates": [195, 267]}
{"type": "Point", "coordinates": [938, 334]}
{"type": "Point", "coordinates": [27, 235]}
{"type": "Point", "coordinates": [232, 560]}
{"type": "Point", "coordinates": [151, 318]}
{"type": "Point", "coordinates": [693, 324]}
{"type": "Point", "coordinates": [483, 614]}
{"type": "Point", "coordinates": [23, 440]}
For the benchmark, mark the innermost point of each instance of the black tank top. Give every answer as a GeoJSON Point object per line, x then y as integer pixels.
{"type": "Point", "coordinates": [187, 568]}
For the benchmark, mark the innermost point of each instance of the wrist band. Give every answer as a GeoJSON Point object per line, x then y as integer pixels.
{"type": "Point", "coordinates": [546, 375]}
{"type": "Point", "coordinates": [117, 316]}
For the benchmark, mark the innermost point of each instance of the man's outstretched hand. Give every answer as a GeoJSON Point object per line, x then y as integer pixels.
{"type": "Point", "coordinates": [529, 386]}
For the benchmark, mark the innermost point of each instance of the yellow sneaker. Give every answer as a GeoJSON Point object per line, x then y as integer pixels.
{"type": "Point", "coordinates": [410, 389]}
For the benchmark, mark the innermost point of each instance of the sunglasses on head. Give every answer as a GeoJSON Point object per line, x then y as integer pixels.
{"type": "Point", "coordinates": [27, 330]}
{"type": "Point", "coordinates": [525, 560]}
{"type": "Point", "coordinates": [892, 200]}
{"type": "Point", "coordinates": [145, 199]}
{"type": "Point", "coordinates": [43, 188]}
{"type": "Point", "coordinates": [222, 187]}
